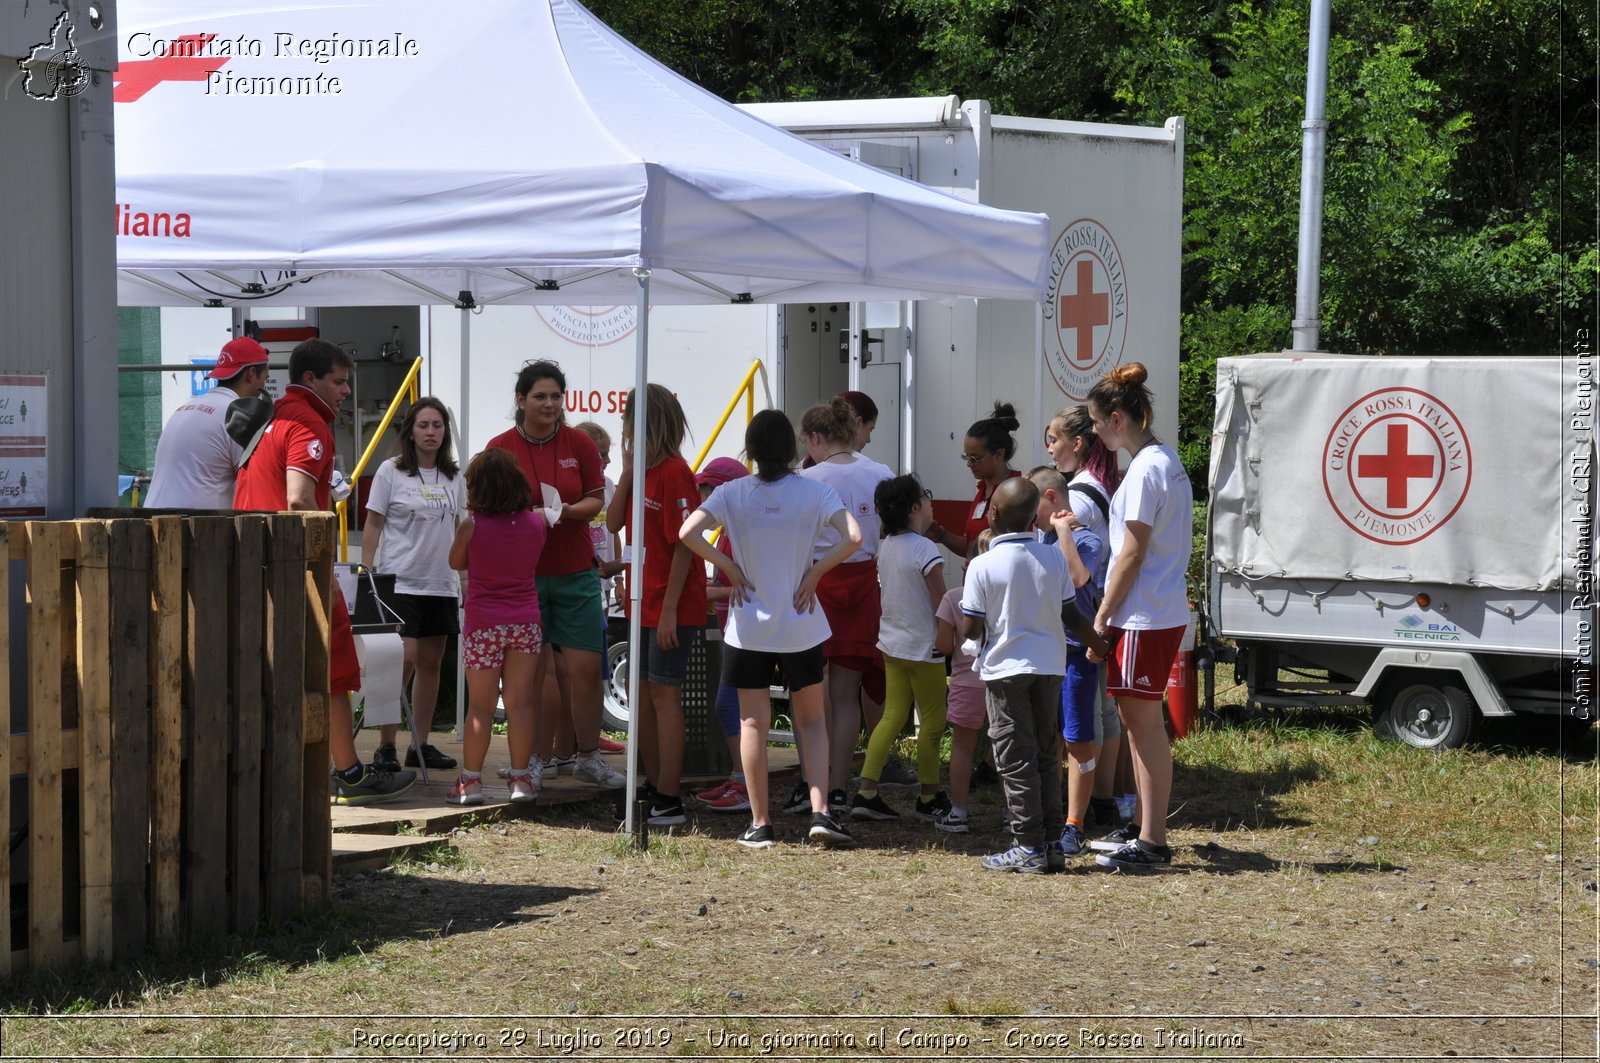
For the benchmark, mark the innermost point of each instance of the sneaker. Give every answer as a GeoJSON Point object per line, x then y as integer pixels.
{"type": "Point", "coordinates": [378, 784]}
{"type": "Point", "coordinates": [755, 837]}
{"type": "Point", "coordinates": [1026, 859]}
{"type": "Point", "coordinates": [799, 803]}
{"type": "Point", "coordinates": [384, 757]}
{"type": "Point", "coordinates": [838, 803]}
{"type": "Point", "coordinates": [667, 812]}
{"type": "Point", "coordinates": [1116, 839]}
{"type": "Point", "coordinates": [734, 799]}
{"type": "Point", "coordinates": [1072, 842]}
{"type": "Point", "coordinates": [874, 807]}
{"type": "Point", "coordinates": [928, 811]}
{"type": "Point", "coordinates": [553, 766]}
{"type": "Point", "coordinates": [715, 792]}
{"type": "Point", "coordinates": [953, 821]}
{"type": "Point", "coordinates": [895, 773]}
{"type": "Point", "coordinates": [592, 768]}
{"type": "Point", "coordinates": [1136, 856]}
{"type": "Point", "coordinates": [983, 774]}
{"type": "Point", "coordinates": [644, 792]}
{"type": "Point", "coordinates": [465, 791]}
{"type": "Point", "coordinates": [435, 760]}
{"type": "Point", "coordinates": [609, 746]}
{"type": "Point", "coordinates": [524, 787]}
{"type": "Point", "coordinates": [825, 830]}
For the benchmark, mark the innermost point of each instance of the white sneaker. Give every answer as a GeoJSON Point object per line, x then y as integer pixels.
{"type": "Point", "coordinates": [591, 767]}
{"type": "Point", "coordinates": [553, 766]}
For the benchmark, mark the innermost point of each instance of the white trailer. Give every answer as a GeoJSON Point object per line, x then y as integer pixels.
{"type": "Point", "coordinates": [1415, 533]}
{"type": "Point", "coordinates": [1114, 194]}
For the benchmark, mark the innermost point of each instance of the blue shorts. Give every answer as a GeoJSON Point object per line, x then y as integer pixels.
{"type": "Point", "coordinates": [728, 710]}
{"type": "Point", "coordinates": [1080, 698]}
{"type": "Point", "coordinates": [666, 668]}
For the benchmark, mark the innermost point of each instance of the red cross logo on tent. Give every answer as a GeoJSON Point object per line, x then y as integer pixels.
{"type": "Point", "coordinates": [1396, 466]}
{"type": "Point", "coordinates": [1084, 310]}
{"type": "Point", "coordinates": [136, 77]}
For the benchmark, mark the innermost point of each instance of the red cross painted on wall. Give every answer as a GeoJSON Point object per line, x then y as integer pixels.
{"type": "Point", "coordinates": [136, 77]}
{"type": "Point", "coordinates": [1395, 467]}
{"type": "Point", "coordinates": [1085, 309]}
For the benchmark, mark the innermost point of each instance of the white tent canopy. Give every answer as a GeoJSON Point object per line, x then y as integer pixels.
{"type": "Point", "coordinates": [381, 152]}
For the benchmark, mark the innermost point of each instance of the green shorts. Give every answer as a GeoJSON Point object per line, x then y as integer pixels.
{"type": "Point", "coordinates": [570, 611]}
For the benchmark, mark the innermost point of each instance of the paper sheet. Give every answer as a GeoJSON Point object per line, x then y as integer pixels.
{"type": "Point", "coordinates": [380, 678]}
{"type": "Point", "coordinates": [552, 504]}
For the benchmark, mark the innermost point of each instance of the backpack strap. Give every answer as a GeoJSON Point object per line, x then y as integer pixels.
{"type": "Point", "coordinates": [1094, 493]}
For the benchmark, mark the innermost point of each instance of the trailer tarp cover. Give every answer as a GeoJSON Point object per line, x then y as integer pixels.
{"type": "Point", "coordinates": [381, 152]}
{"type": "Point", "coordinates": [1453, 470]}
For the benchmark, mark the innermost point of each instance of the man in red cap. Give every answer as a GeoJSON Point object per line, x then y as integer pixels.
{"type": "Point", "coordinates": [292, 468]}
{"type": "Point", "coordinates": [201, 448]}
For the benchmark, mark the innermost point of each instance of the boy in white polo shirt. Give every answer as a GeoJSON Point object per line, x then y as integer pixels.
{"type": "Point", "coordinates": [1013, 601]}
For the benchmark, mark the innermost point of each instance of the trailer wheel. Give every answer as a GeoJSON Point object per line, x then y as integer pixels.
{"type": "Point", "coordinates": [1427, 714]}
{"type": "Point", "coordinates": [614, 707]}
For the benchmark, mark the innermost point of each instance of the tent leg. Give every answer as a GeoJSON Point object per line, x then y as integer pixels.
{"type": "Point", "coordinates": [636, 822]}
{"type": "Point", "coordinates": [461, 442]}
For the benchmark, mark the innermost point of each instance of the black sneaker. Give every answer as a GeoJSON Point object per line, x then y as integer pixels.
{"type": "Point", "coordinates": [799, 803]}
{"type": "Point", "coordinates": [828, 832]}
{"type": "Point", "coordinates": [874, 807]}
{"type": "Point", "coordinates": [983, 774]}
{"type": "Point", "coordinates": [895, 773]}
{"type": "Point", "coordinates": [667, 812]}
{"type": "Point", "coordinates": [384, 757]}
{"type": "Point", "coordinates": [755, 837]}
{"type": "Point", "coordinates": [378, 784]}
{"type": "Point", "coordinates": [930, 810]}
{"type": "Point", "coordinates": [838, 803]}
{"type": "Point", "coordinates": [645, 792]}
{"type": "Point", "coordinates": [1136, 856]}
{"type": "Point", "coordinates": [1128, 832]}
{"type": "Point", "coordinates": [435, 760]}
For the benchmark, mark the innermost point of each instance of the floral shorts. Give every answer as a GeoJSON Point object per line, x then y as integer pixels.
{"type": "Point", "coordinates": [487, 646]}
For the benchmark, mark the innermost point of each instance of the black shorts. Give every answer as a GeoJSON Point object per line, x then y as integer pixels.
{"type": "Point", "coordinates": [426, 615]}
{"type": "Point", "coordinates": [758, 669]}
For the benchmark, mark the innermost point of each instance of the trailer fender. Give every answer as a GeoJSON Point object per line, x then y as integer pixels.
{"type": "Point", "coordinates": [1484, 690]}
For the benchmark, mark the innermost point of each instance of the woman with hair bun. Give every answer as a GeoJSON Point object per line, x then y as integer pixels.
{"type": "Point", "coordinates": [1145, 608]}
{"type": "Point", "coordinates": [849, 595]}
{"type": "Point", "coordinates": [987, 450]}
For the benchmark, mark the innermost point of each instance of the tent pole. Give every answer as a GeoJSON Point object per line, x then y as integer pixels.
{"type": "Point", "coordinates": [461, 444]}
{"type": "Point", "coordinates": [1038, 374]}
{"type": "Point", "coordinates": [641, 377]}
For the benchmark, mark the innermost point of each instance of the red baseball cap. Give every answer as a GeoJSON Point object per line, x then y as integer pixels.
{"type": "Point", "coordinates": [719, 471]}
{"type": "Point", "coordinates": [237, 356]}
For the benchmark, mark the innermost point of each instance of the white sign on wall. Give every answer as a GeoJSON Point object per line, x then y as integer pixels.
{"type": "Point", "coordinates": [24, 461]}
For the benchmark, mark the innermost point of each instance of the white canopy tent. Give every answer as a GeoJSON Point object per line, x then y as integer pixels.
{"type": "Point", "coordinates": [403, 152]}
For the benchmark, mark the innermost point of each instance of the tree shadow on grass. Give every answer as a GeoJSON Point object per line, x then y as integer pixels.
{"type": "Point", "coordinates": [370, 909]}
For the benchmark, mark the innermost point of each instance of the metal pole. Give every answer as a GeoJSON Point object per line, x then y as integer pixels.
{"type": "Point", "coordinates": [641, 376]}
{"type": "Point", "coordinates": [461, 443]}
{"type": "Point", "coordinates": [1307, 323]}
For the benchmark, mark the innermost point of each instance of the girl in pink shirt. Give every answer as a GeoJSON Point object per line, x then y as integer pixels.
{"type": "Point", "coordinates": [498, 547]}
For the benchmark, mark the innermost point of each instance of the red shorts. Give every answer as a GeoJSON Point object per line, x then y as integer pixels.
{"type": "Point", "coordinates": [344, 667]}
{"type": "Point", "coordinates": [1141, 661]}
{"type": "Point", "coordinates": [850, 600]}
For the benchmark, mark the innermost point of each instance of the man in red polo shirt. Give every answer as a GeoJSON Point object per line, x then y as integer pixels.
{"type": "Point", "coordinates": [292, 468]}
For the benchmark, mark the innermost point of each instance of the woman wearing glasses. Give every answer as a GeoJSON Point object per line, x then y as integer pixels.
{"type": "Point", "coordinates": [987, 450]}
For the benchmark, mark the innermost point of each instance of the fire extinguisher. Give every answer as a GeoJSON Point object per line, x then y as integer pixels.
{"type": "Point", "coordinates": [1183, 694]}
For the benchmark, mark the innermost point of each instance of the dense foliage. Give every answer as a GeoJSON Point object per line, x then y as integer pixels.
{"type": "Point", "coordinates": [1460, 212]}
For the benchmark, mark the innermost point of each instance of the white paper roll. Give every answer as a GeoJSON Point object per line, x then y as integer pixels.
{"type": "Point", "coordinates": [381, 671]}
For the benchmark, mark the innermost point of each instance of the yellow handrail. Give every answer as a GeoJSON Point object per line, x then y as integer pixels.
{"type": "Point", "coordinates": [409, 391]}
{"type": "Point", "coordinates": [748, 390]}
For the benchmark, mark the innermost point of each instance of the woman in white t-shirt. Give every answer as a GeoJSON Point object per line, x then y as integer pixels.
{"type": "Point", "coordinates": [412, 511]}
{"type": "Point", "coordinates": [849, 595]}
{"type": "Point", "coordinates": [1145, 608]}
{"type": "Point", "coordinates": [773, 520]}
